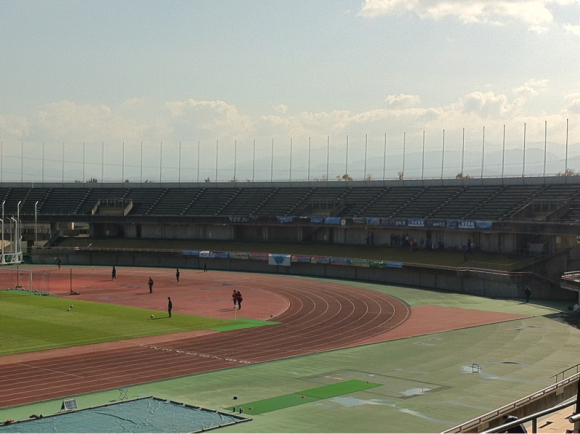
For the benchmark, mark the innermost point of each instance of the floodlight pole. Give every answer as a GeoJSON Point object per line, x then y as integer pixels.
{"type": "Point", "coordinates": [36, 222]}
{"type": "Point", "coordinates": [3, 233]}
{"type": "Point", "coordinates": [18, 231]}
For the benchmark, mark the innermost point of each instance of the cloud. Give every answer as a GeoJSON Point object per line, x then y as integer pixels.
{"type": "Point", "coordinates": [573, 29]}
{"type": "Point", "coordinates": [536, 14]}
{"type": "Point", "coordinates": [488, 105]}
{"type": "Point", "coordinates": [14, 126]}
{"type": "Point", "coordinates": [402, 100]}
{"type": "Point", "coordinates": [281, 108]}
{"type": "Point", "coordinates": [531, 88]}
{"type": "Point", "coordinates": [573, 103]}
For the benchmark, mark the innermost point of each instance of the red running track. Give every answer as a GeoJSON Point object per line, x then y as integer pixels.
{"type": "Point", "coordinates": [320, 317]}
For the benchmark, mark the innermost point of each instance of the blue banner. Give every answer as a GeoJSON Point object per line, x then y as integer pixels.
{"type": "Point", "coordinates": [285, 219]}
{"type": "Point", "coordinates": [436, 223]}
{"type": "Point", "coordinates": [394, 264]}
{"type": "Point", "coordinates": [332, 220]}
{"type": "Point", "coordinates": [300, 258]}
{"type": "Point", "coordinates": [416, 223]}
{"type": "Point", "coordinates": [373, 221]}
{"type": "Point", "coordinates": [359, 220]}
{"type": "Point", "coordinates": [394, 222]}
{"type": "Point", "coordinates": [451, 224]}
{"type": "Point", "coordinates": [282, 260]}
{"type": "Point", "coordinates": [316, 219]}
{"type": "Point", "coordinates": [340, 261]}
{"type": "Point", "coordinates": [220, 255]}
{"type": "Point", "coordinates": [190, 252]}
{"type": "Point", "coordinates": [485, 225]}
{"type": "Point", "coordinates": [466, 224]}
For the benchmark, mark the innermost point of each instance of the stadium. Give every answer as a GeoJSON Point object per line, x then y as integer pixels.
{"type": "Point", "coordinates": [373, 306]}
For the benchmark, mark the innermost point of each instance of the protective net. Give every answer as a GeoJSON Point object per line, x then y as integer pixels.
{"type": "Point", "coordinates": [144, 415]}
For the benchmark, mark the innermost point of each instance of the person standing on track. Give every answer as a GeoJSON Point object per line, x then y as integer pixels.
{"type": "Point", "coordinates": [235, 299]}
{"type": "Point", "coordinates": [114, 273]}
{"type": "Point", "coordinates": [204, 267]}
{"type": "Point", "coordinates": [177, 277]}
{"type": "Point", "coordinates": [150, 283]}
{"type": "Point", "coordinates": [58, 262]}
{"type": "Point", "coordinates": [169, 306]}
{"type": "Point", "coordinates": [239, 299]}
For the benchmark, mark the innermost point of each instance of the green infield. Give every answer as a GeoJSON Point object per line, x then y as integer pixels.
{"type": "Point", "coordinates": [310, 395]}
{"type": "Point", "coordinates": [33, 323]}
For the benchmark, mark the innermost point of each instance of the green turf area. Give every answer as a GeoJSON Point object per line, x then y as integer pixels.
{"type": "Point", "coordinates": [448, 258]}
{"type": "Point", "coordinates": [426, 381]}
{"type": "Point", "coordinates": [244, 323]}
{"type": "Point", "coordinates": [305, 396]}
{"type": "Point", "coordinates": [33, 323]}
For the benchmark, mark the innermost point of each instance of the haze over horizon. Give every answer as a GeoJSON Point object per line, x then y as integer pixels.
{"type": "Point", "coordinates": [115, 75]}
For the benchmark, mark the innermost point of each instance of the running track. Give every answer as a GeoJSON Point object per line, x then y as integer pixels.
{"type": "Point", "coordinates": [320, 317]}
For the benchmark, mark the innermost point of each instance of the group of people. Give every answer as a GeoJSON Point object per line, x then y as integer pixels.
{"type": "Point", "coordinates": [237, 298]}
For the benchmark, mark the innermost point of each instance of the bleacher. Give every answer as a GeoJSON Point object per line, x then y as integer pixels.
{"type": "Point", "coordinates": [477, 202]}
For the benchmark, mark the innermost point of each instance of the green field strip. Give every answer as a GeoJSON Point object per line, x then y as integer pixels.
{"type": "Point", "coordinates": [338, 389]}
{"type": "Point", "coordinates": [29, 323]}
{"type": "Point", "coordinates": [310, 395]}
{"type": "Point", "coordinates": [244, 323]}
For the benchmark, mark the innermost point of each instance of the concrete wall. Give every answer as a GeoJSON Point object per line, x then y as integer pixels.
{"type": "Point", "coordinates": [485, 284]}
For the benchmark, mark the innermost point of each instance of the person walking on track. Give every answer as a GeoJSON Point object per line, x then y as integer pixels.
{"type": "Point", "coordinates": [177, 275]}
{"type": "Point", "coordinates": [150, 283]}
{"type": "Point", "coordinates": [239, 299]}
{"type": "Point", "coordinates": [169, 306]}
{"type": "Point", "coordinates": [235, 298]}
{"type": "Point", "coordinates": [114, 273]}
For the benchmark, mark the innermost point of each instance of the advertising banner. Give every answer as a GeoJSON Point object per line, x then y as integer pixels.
{"type": "Point", "coordinates": [285, 219]}
{"type": "Point", "coordinates": [451, 224]}
{"type": "Point", "coordinates": [466, 224]}
{"type": "Point", "coordinates": [340, 261]}
{"type": "Point", "coordinates": [359, 220]}
{"type": "Point", "coordinates": [220, 255]}
{"type": "Point", "coordinates": [373, 221]}
{"type": "Point", "coordinates": [300, 258]}
{"type": "Point", "coordinates": [485, 225]}
{"type": "Point", "coordinates": [282, 260]}
{"type": "Point", "coordinates": [320, 260]}
{"type": "Point", "coordinates": [204, 254]}
{"type": "Point", "coordinates": [259, 256]}
{"type": "Point", "coordinates": [392, 264]}
{"type": "Point", "coordinates": [416, 223]}
{"type": "Point", "coordinates": [190, 252]}
{"type": "Point", "coordinates": [436, 223]}
{"type": "Point", "coordinates": [239, 255]}
{"type": "Point", "coordinates": [332, 220]}
{"type": "Point", "coordinates": [317, 220]}
{"type": "Point", "coordinates": [359, 262]}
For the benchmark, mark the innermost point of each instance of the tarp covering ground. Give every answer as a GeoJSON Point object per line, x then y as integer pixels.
{"type": "Point", "coordinates": [145, 415]}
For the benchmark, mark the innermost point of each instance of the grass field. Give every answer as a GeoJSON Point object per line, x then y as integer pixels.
{"type": "Point", "coordinates": [33, 323]}
{"type": "Point", "coordinates": [448, 258]}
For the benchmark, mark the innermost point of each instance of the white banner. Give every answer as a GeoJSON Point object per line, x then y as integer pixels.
{"type": "Point", "coordinates": [283, 260]}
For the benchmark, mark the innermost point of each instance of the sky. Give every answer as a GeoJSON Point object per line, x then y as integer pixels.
{"type": "Point", "coordinates": [144, 83]}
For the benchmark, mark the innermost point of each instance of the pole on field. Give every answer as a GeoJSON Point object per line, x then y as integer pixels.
{"type": "Point", "coordinates": [3, 233]}
{"type": "Point", "coordinates": [71, 283]}
{"type": "Point", "coordinates": [36, 221]}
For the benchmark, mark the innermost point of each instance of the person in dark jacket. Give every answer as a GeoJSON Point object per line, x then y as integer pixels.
{"type": "Point", "coordinates": [169, 306]}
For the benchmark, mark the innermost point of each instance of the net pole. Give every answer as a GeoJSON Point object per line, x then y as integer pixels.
{"type": "Point", "coordinates": [71, 281]}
